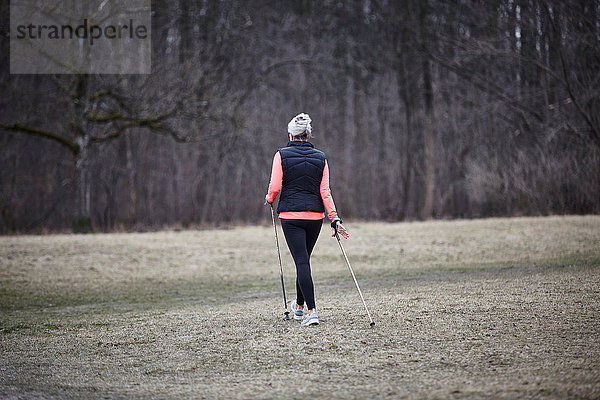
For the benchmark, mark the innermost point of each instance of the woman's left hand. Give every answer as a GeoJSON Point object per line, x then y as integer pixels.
{"type": "Point", "coordinates": [341, 231]}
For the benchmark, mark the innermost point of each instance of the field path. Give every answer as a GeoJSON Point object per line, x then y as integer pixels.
{"type": "Point", "coordinates": [499, 308]}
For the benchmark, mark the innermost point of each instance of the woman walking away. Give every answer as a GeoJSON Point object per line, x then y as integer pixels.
{"type": "Point", "coordinates": [301, 173]}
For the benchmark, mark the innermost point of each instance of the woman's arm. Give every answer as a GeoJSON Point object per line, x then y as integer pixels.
{"type": "Point", "coordinates": [330, 205]}
{"type": "Point", "coordinates": [326, 195]}
{"type": "Point", "coordinates": [276, 179]}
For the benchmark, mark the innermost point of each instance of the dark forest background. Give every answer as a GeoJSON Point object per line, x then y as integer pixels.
{"type": "Point", "coordinates": [426, 109]}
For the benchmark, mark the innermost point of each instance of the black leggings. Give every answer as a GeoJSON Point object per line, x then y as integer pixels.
{"type": "Point", "coordinates": [301, 236]}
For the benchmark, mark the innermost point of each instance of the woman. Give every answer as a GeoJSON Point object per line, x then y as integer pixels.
{"type": "Point", "coordinates": [301, 173]}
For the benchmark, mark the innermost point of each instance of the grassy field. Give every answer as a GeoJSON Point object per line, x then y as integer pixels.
{"type": "Point", "coordinates": [499, 308]}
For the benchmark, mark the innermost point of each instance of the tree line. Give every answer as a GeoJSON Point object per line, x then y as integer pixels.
{"type": "Point", "coordinates": [425, 109]}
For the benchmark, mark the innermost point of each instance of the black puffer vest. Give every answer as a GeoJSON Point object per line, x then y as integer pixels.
{"type": "Point", "coordinates": [302, 166]}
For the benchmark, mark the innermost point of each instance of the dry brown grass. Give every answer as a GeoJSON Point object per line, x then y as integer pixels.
{"type": "Point", "coordinates": [499, 308]}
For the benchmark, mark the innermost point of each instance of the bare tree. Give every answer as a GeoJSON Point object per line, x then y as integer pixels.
{"type": "Point", "coordinates": [425, 109]}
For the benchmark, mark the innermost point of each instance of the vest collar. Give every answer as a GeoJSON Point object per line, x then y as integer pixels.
{"type": "Point", "coordinates": [299, 143]}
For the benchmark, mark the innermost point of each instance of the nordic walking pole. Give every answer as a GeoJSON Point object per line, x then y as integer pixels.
{"type": "Point", "coordinates": [354, 277]}
{"type": "Point", "coordinates": [286, 312]}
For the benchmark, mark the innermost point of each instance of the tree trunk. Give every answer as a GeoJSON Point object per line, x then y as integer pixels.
{"type": "Point", "coordinates": [132, 186]}
{"type": "Point", "coordinates": [82, 222]}
{"type": "Point", "coordinates": [405, 142]}
{"type": "Point", "coordinates": [350, 135]}
{"type": "Point", "coordinates": [427, 209]}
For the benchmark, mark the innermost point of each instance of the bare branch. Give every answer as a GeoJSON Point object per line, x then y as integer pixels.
{"type": "Point", "coordinates": [19, 127]}
{"type": "Point", "coordinates": [107, 117]}
{"type": "Point", "coordinates": [263, 73]}
{"type": "Point", "coordinates": [152, 123]}
{"type": "Point", "coordinates": [101, 93]}
{"type": "Point", "coordinates": [481, 83]}
{"type": "Point", "coordinates": [284, 63]}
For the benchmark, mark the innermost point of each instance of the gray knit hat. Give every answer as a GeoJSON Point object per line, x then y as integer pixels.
{"type": "Point", "coordinates": [300, 124]}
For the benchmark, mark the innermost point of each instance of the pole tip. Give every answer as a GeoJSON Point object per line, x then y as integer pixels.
{"type": "Point", "coordinates": [287, 315]}
{"type": "Point", "coordinates": [373, 325]}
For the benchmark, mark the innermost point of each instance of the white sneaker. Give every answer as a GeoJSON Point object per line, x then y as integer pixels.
{"type": "Point", "coordinates": [310, 319]}
{"type": "Point", "coordinates": [298, 314]}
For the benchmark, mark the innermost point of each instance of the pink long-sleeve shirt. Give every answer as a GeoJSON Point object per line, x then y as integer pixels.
{"type": "Point", "coordinates": [275, 188]}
